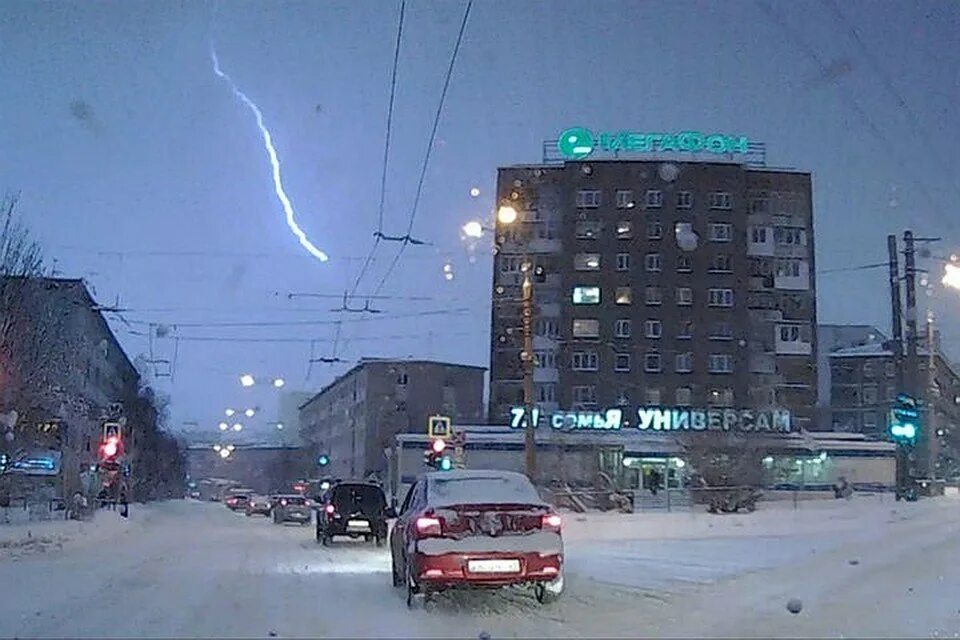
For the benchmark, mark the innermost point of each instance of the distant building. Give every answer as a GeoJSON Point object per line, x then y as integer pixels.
{"type": "Point", "coordinates": [356, 417]}
{"type": "Point", "coordinates": [831, 337]}
{"type": "Point", "coordinates": [288, 416]}
{"type": "Point", "coordinates": [261, 467]}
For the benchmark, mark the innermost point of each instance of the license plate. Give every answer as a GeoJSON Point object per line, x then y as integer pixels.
{"type": "Point", "coordinates": [358, 524]}
{"type": "Point", "coordinates": [493, 566]}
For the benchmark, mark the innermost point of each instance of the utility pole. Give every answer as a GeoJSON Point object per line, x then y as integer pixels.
{"type": "Point", "coordinates": [928, 437]}
{"type": "Point", "coordinates": [905, 455]}
{"type": "Point", "coordinates": [529, 442]}
{"type": "Point", "coordinates": [895, 308]}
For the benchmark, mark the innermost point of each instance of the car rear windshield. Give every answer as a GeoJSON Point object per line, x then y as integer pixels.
{"type": "Point", "coordinates": [296, 500]}
{"type": "Point", "coordinates": [493, 489]}
{"type": "Point", "coordinates": [366, 499]}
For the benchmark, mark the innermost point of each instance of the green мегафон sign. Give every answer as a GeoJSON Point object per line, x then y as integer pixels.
{"type": "Point", "coordinates": [577, 143]}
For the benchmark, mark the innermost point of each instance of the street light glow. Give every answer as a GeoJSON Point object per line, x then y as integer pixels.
{"type": "Point", "coordinates": [507, 214]}
{"type": "Point", "coordinates": [223, 426]}
{"type": "Point", "coordinates": [951, 276]}
{"type": "Point", "coordinates": [216, 447]}
{"type": "Point", "coordinates": [224, 453]}
{"type": "Point", "coordinates": [279, 425]}
{"type": "Point", "coordinates": [249, 413]}
{"type": "Point", "coordinates": [278, 382]}
{"type": "Point", "coordinates": [237, 427]}
{"type": "Point", "coordinates": [247, 380]}
{"type": "Point", "coordinates": [229, 412]}
{"type": "Point", "coordinates": [472, 229]}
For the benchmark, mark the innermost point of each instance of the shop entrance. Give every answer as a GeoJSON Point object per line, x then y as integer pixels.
{"type": "Point", "coordinates": [653, 474]}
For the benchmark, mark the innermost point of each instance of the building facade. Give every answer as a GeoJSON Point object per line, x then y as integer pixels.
{"type": "Point", "coordinates": [354, 419]}
{"type": "Point", "coordinates": [657, 284]}
{"type": "Point", "coordinates": [830, 338]}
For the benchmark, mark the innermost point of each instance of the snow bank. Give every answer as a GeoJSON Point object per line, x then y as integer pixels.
{"type": "Point", "coordinates": [37, 537]}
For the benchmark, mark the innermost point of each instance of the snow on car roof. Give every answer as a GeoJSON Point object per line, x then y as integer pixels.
{"type": "Point", "coordinates": [480, 487]}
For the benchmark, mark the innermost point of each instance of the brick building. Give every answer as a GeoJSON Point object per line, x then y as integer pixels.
{"type": "Point", "coordinates": [662, 283]}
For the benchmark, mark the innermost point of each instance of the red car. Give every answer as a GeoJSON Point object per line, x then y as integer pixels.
{"type": "Point", "coordinates": [476, 529]}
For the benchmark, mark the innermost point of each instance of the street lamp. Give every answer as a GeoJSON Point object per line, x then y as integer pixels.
{"type": "Point", "coordinates": [229, 412]}
{"type": "Point", "coordinates": [506, 214]}
{"type": "Point", "coordinates": [224, 453]}
{"type": "Point", "coordinates": [278, 382]}
{"type": "Point", "coordinates": [951, 276]}
{"type": "Point", "coordinates": [223, 426]}
{"type": "Point", "coordinates": [472, 229]}
{"type": "Point", "coordinates": [247, 380]}
{"type": "Point", "coordinates": [249, 412]}
{"type": "Point", "coordinates": [238, 427]}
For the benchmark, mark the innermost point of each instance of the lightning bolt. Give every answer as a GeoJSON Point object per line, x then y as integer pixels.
{"type": "Point", "coordinates": [274, 160]}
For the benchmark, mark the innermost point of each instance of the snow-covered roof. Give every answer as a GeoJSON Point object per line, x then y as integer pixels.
{"type": "Point", "coordinates": [871, 349]}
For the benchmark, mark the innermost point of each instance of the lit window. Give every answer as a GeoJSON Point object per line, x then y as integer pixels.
{"type": "Point", "coordinates": [684, 263]}
{"type": "Point", "coordinates": [720, 363]}
{"type": "Point", "coordinates": [721, 263]}
{"type": "Point", "coordinates": [721, 397]}
{"type": "Point", "coordinates": [622, 328]}
{"type": "Point", "coordinates": [721, 232]}
{"type": "Point", "coordinates": [584, 394]}
{"type": "Point", "coordinates": [623, 262]}
{"type": "Point", "coordinates": [586, 295]}
{"type": "Point", "coordinates": [588, 198]}
{"type": "Point", "coordinates": [683, 396]}
{"type": "Point", "coordinates": [683, 362]}
{"type": "Point", "coordinates": [684, 199]}
{"type": "Point", "coordinates": [651, 396]}
{"type": "Point", "coordinates": [586, 328]}
{"type": "Point", "coordinates": [651, 363]}
{"type": "Point", "coordinates": [624, 295]}
{"type": "Point", "coordinates": [720, 297]}
{"type": "Point", "coordinates": [721, 200]}
{"type": "Point", "coordinates": [654, 230]}
{"type": "Point", "coordinates": [624, 230]}
{"type": "Point", "coordinates": [653, 296]}
{"type": "Point", "coordinates": [654, 199]}
{"type": "Point", "coordinates": [652, 262]}
{"type": "Point", "coordinates": [586, 261]}
{"type": "Point", "coordinates": [621, 362]}
{"type": "Point", "coordinates": [584, 361]}
{"type": "Point", "coordinates": [684, 296]}
{"type": "Point", "coordinates": [625, 199]}
{"type": "Point", "coordinates": [653, 329]}
{"type": "Point", "coordinates": [588, 229]}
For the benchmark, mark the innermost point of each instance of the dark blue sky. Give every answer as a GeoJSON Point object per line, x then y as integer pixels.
{"type": "Point", "coordinates": [139, 170]}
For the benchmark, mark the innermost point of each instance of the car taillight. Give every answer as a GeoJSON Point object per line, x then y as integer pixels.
{"type": "Point", "coordinates": [551, 522]}
{"type": "Point", "coordinates": [283, 503]}
{"type": "Point", "coordinates": [329, 509]}
{"type": "Point", "coordinates": [428, 526]}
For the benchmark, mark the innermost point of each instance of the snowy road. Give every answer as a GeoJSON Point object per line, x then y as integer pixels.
{"type": "Point", "coordinates": [185, 569]}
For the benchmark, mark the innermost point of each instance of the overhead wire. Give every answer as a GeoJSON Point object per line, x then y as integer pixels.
{"type": "Point", "coordinates": [429, 151]}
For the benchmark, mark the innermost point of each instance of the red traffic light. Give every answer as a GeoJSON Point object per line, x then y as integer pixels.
{"type": "Point", "coordinates": [438, 445]}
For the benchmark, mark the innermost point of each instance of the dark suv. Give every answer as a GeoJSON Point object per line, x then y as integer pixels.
{"type": "Point", "coordinates": [355, 509]}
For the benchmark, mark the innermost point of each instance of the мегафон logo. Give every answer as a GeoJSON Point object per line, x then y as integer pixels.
{"type": "Point", "coordinates": [577, 143]}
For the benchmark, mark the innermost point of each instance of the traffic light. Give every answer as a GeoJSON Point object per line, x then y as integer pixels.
{"type": "Point", "coordinates": [905, 422]}
{"type": "Point", "coordinates": [323, 460]}
{"type": "Point", "coordinates": [111, 447]}
{"type": "Point", "coordinates": [434, 456]}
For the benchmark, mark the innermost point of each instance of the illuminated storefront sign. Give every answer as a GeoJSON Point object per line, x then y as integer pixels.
{"type": "Point", "coordinates": [660, 419]}
{"type": "Point", "coordinates": [576, 143]}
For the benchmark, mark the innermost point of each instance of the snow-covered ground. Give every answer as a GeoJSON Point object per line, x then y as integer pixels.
{"type": "Point", "coordinates": [184, 569]}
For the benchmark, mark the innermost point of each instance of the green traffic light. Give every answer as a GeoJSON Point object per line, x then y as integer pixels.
{"type": "Point", "coordinates": [446, 464]}
{"type": "Point", "coordinates": [323, 460]}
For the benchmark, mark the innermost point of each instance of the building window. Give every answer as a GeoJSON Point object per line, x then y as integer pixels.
{"type": "Point", "coordinates": [588, 198]}
{"type": "Point", "coordinates": [654, 230]}
{"type": "Point", "coordinates": [791, 236]}
{"type": "Point", "coordinates": [623, 399]}
{"type": "Point", "coordinates": [653, 296]}
{"type": "Point", "coordinates": [545, 359]}
{"type": "Point", "coordinates": [684, 296]}
{"type": "Point", "coordinates": [584, 394]}
{"type": "Point", "coordinates": [622, 328]}
{"type": "Point", "coordinates": [652, 363]}
{"type": "Point", "coordinates": [586, 295]}
{"type": "Point", "coordinates": [624, 295]}
{"type": "Point", "coordinates": [720, 297]}
{"type": "Point", "coordinates": [624, 230]}
{"type": "Point", "coordinates": [720, 397]}
{"type": "Point", "coordinates": [759, 205]}
{"type": "Point", "coordinates": [510, 264]}
{"type": "Point", "coordinates": [721, 231]}
{"type": "Point", "coordinates": [683, 362]}
{"type": "Point", "coordinates": [624, 199]}
{"type": "Point", "coordinates": [684, 199]}
{"type": "Point", "coordinates": [652, 262]}
{"type": "Point", "coordinates": [683, 397]}
{"type": "Point", "coordinates": [720, 363]}
{"type": "Point", "coordinates": [621, 362]}
{"type": "Point", "coordinates": [652, 329]}
{"type": "Point", "coordinates": [721, 263]}
{"type": "Point", "coordinates": [721, 200]}
{"type": "Point", "coordinates": [721, 331]}
{"type": "Point", "coordinates": [791, 333]}
{"type": "Point", "coordinates": [654, 199]}
{"type": "Point", "coordinates": [869, 395]}
{"type": "Point", "coordinates": [758, 235]}
{"type": "Point", "coordinates": [546, 327]}
{"type": "Point", "coordinates": [623, 262]}
{"type": "Point", "coordinates": [402, 379]}
{"type": "Point", "coordinates": [869, 421]}
{"type": "Point", "coordinates": [788, 268]}
{"type": "Point", "coordinates": [586, 262]}
{"type": "Point", "coordinates": [684, 263]}
{"type": "Point", "coordinates": [891, 370]}
{"type": "Point", "coordinates": [586, 328]}
{"type": "Point", "coordinates": [651, 396]}
{"type": "Point", "coordinates": [584, 361]}
{"type": "Point", "coordinates": [546, 393]}
{"type": "Point", "coordinates": [685, 330]}
{"type": "Point", "coordinates": [588, 229]}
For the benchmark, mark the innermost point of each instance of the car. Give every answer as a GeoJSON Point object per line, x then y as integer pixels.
{"type": "Point", "coordinates": [473, 528]}
{"type": "Point", "coordinates": [258, 505]}
{"type": "Point", "coordinates": [237, 501]}
{"type": "Point", "coordinates": [354, 509]}
{"type": "Point", "coordinates": [291, 508]}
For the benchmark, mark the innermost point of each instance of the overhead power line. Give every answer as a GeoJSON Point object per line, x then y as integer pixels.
{"type": "Point", "coordinates": [406, 239]}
